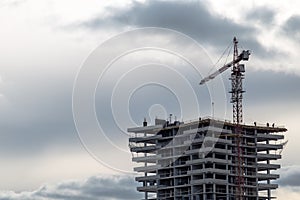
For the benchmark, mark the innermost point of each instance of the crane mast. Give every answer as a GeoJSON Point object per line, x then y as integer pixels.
{"type": "Point", "coordinates": [237, 76]}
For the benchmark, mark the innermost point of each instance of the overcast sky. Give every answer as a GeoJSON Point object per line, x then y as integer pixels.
{"type": "Point", "coordinates": [45, 45]}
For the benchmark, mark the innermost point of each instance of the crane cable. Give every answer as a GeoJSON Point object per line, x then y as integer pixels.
{"type": "Point", "coordinates": [229, 52]}
{"type": "Point", "coordinates": [222, 55]}
{"type": "Point", "coordinates": [229, 48]}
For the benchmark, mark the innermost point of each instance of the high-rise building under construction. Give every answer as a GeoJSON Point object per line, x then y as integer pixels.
{"type": "Point", "coordinates": [198, 160]}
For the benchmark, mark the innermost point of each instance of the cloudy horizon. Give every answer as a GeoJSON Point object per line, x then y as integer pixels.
{"type": "Point", "coordinates": [45, 44]}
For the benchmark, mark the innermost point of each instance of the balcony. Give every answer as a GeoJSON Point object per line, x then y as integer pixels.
{"type": "Point", "coordinates": [209, 181]}
{"type": "Point", "coordinates": [263, 137]}
{"type": "Point", "coordinates": [208, 128]}
{"type": "Point", "coordinates": [150, 168]}
{"type": "Point", "coordinates": [150, 188]}
{"type": "Point", "coordinates": [144, 149]}
{"type": "Point", "coordinates": [147, 139]}
{"type": "Point", "coordinates": [145, 129]}
{"type": "Point", "coordinates": [208, 149]}
{"type": "Point", "coordinates": [148, 159]}
{"type": "Point", "coordinates": [207, 160]}
{"type": "Point", "coordinates": [146, 178]}
{"type": "Point", "coordinates": [262, 156]}
{"type": "Point", "coordinates": [208, 170]}
{"type": "Point", "coordinates": [265, 166]}
{"type": "Point", "coordinates": [265, 147]}
{"type": "Point", "coordinates": [267, 176]}
{"type": "Point", "coordinates": [265, 186]}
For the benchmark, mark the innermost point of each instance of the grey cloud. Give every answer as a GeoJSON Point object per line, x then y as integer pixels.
{"type": "Point", "coordinates": [93, 188]}
{"type": "Point", "coordinates": [49, 120]}
{"type": "Point", "coordinates": [289, 176]}
{"type": "Point", "coordinates": [191, 18]}
{"type": "Point", "coordinates": [292, 24]}
{"type": "Point", "coordinates": [268, 86]}
{"type": "Point", "coordinates": [262, 14]}
{"type": "Point", "coordinates": [292, 27]}
{"type": "Point", "coordinates": [39, 114]}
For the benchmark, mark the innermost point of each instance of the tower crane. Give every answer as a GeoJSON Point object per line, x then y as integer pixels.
{"type": "Point", "coordinates": [237, 76]}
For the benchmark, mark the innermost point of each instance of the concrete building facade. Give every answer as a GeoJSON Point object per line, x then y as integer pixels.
{"type": "Point", "coordinates": [198, 160]}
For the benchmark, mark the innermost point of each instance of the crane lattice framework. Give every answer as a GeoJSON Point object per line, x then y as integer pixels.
{"type": "Point", "coordinates": [237, 76]}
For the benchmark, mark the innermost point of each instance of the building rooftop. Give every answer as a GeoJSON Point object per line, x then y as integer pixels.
{"type": "Point", "coordinates": [164, 125]}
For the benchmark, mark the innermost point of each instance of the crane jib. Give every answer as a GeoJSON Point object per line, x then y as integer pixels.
{"type": "Point", "coordinates": [243, 56]}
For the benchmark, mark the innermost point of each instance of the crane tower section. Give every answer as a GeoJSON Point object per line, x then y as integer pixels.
{"type": "Point", "coordinates": [236, 78]}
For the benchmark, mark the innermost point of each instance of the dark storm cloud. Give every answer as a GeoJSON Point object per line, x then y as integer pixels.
{"type": "Point", "coordinates": [94, 188]}
{"type": "Point", "coordinates": [292, 27]}
{"type": "Point", "coordinates": [192, 18]}
{"type": "Point", "coordinates": [262, 14]}
{"type": "Point", "coordinates": [289, 176]}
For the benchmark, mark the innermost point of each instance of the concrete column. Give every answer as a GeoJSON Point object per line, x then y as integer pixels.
{"type": "Point", "coordinates": [204, 191]}
{"type": "Point", "coordinates": [255, 133]}
{"type": "Point", "coordinates": [227, 176]}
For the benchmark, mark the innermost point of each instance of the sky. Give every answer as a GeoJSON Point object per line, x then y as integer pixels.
{"type": "Point", "coordinates": [64, 114]}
